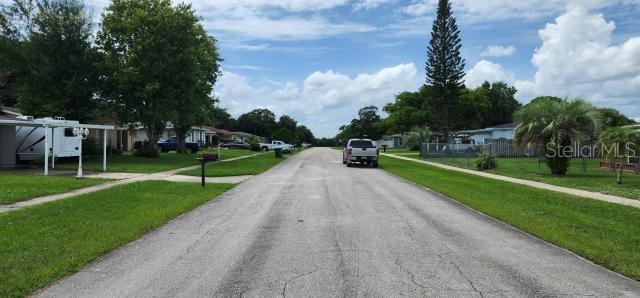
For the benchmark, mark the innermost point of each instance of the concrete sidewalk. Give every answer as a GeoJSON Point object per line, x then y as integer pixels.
{"type": "Point", "coordinates": [567, 190]}
{"type": "Point", "coordinates": [126, 178]}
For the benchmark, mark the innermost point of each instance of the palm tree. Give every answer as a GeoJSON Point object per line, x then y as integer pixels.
{"type": "Point", "coordinates": [556, 125]}
{"type": "Point", "coordinates": [617, 141]}
{"type": "Point", "coordinates": [414, 139]}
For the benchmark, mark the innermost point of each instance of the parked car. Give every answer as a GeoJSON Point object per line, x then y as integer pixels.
{"type": "Point", "coordinates": [362, 151]}
{"type": "Point", "coordinates": [171, 144]}
{"type": "Point", "coordinates": [276, 144]}
{"type": "Point", "coordinates": [235, 145]}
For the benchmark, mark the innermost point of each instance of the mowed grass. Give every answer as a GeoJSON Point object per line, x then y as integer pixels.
{"type": "Point", "coordinates": [41, 244]}
{"type": "Point", "coordinates": [247, 166]}
{"type": "Point", "coordinates": [16, 187]}
{"type": "Point", "coordinates": [593, 179]}
{"type": "Point", "coordinates": [608, 234]}
{"type": "Point", "coordinates": [127, 163]}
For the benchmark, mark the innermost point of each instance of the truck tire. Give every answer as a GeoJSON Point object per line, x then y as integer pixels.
{"type": "Point", "coordinates": [374, 164]}
{"type": "Point", "coordinates": [265, 148]}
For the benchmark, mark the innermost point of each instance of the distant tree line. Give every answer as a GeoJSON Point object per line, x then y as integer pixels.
{"type": "Point", "coordinates": [262, 122]}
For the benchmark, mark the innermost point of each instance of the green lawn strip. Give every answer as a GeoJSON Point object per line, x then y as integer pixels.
{"type": "Point", "coordinates": [40, 244]}
{"type": "Point", "coordinates": [246, 166]}
{"type": "Point", "coordinates": [127, 163]}
{"type": "Point", "coordinates": [608, 234]}
{"type": "Point", "coordinates": [593, 179]}
{"type": "Point", "coordinates": [16, 187]}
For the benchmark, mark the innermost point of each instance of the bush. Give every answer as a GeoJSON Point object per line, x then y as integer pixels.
{"type": "Point", "coordinates": [91, 147]}
{"type": "Point", "coordinates": [254, 142]}
{"type": "Point", "coordinates": [485, 161]}
{"type": "Point", "coordinates": [146, 149]}
{"type": "Point", "coordinates": [113, 150]}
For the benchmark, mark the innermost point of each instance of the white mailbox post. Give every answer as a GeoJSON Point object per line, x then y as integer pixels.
{"type": "Point", "coordinates": [81, 133]}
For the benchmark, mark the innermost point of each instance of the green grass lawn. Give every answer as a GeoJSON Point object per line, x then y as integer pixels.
{"type": "Point", "coordinates": [128, 163]}
{"type": "Point", "coordinates": [246, 166]}
{"type": "Point", "coordinates": [608, 234]}
{"type": "Point", "coordinates": [16, 187]}
{"type": "Point", "coordinates": [593, 179]}
{"type": "Point", "coordinates": [40, 244]}
{"type": "Point", "coordinates": [400, 150]}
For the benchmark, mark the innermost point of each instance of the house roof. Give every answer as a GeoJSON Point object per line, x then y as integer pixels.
{"type": "Point", "coordinates": [506, 126]}
{"type": "Point", "coordinates": [240, 133]}
{"type": "Point", "coordinates": [4, 116]}
{"type": "Point", "coordinates": [220, 131]}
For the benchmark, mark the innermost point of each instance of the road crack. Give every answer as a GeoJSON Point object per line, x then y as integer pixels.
{"type": "Point", "coordinates": [284, 288]}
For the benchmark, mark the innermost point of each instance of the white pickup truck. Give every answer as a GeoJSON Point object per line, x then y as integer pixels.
{"type": "Point", "coordinates": [276, 144]}
{"type": "Point", "coordinates": [361, 151]}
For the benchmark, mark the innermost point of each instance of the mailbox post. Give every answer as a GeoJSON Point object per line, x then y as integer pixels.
{"type": "Point", "coordinates": [206, 157]}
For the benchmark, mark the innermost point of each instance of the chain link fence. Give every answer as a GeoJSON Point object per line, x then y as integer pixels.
{"type": "Point", "coordinates": [586, 157]}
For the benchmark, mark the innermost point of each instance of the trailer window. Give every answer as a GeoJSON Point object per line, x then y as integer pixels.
{"type": "Point", "coordinates": [361, 144]}
{"type": "Point", "coordinates": [68, 132]}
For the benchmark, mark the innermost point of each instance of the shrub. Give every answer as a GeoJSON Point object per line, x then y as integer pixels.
{"type": "Point", "coordinates": [485, 161]}
{"type": "Point", "coordinates": [414, 139]}
{"type": "Point", "coordinates": [91, 147]}
{"type": "Point", "coordinates": [113, 150]}
{"type": "Point", "coordinates": [254, 142]}
{"type": "Point", "coordinates": [146, 149]}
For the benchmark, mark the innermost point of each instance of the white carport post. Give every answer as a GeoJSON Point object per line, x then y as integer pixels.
{"type": "Point", "coordinates": [46, 150]}
{"type": "Point", "coordinates": [104, 150]}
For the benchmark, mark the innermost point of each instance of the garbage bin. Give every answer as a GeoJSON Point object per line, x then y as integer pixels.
{"type": "Point", "coordinates": [278, 152]}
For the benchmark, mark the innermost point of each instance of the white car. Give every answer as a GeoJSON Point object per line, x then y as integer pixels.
{"type": "Point", "coordinates": [275, 145]}
{"type": "Point", "coordinates": [362, 151]}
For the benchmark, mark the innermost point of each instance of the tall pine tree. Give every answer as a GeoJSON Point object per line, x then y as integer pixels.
{"type": "Point", "coordinates": [445, 67]}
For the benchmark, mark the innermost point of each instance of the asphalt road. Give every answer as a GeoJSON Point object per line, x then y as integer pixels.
{"type": "Point", "coordinates": [313, 227]}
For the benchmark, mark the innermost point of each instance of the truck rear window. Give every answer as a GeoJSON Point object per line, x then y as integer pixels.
{"type": "Point", "coordinates": [362, 144]}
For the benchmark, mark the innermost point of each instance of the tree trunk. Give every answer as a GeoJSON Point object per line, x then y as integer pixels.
{"type": "Point", "coordinates": [620, 171]}
{"type": "Point", "coordinates": [152, 136]}
{"type": "Point", "coordinates": [181, 135]}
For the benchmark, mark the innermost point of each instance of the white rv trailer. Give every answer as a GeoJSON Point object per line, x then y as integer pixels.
{"type": "Point", "coordinates": [30, 140]}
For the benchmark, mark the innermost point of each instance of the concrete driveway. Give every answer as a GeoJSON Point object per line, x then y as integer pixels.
{"type": "Point", "coordinates": [313, 227]}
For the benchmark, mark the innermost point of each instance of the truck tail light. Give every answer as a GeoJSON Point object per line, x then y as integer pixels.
{"type": "Point", "coordinates": [349, 152]}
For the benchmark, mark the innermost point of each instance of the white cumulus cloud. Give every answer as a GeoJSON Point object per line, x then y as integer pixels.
{"type": "Point", "coordinates": [578, 59]}
{"type": "Point", "coordinates": [486, 71]}
{"type": "Point", "coordinates": [325, 100]}
{"type": "Point", "coordinates": [498, 51]}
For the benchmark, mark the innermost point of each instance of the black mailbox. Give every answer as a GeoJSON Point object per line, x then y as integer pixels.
{"type": "Point", "coordinates": [206, 157]}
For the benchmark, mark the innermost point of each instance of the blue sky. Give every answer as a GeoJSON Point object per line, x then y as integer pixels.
{"type": "Point", "coordinates": [321, 60]}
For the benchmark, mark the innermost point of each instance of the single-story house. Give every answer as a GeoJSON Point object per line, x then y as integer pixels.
{"type": "Point", "coordinates": [635, 126]}
{"type": "Point", "coordinates": [223, 134]}
{"type": "Point", "coordinates": [481, 136]}
{"type": "Point", "coordinates": [239, 135]}
{"type": "Point", "coordinates": [392, 141]}
{"type": "Point", "coordinates": [199, 134]}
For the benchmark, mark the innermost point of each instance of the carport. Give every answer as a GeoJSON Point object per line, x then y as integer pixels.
{"type": "Point", "coordinates": [8, 139]}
